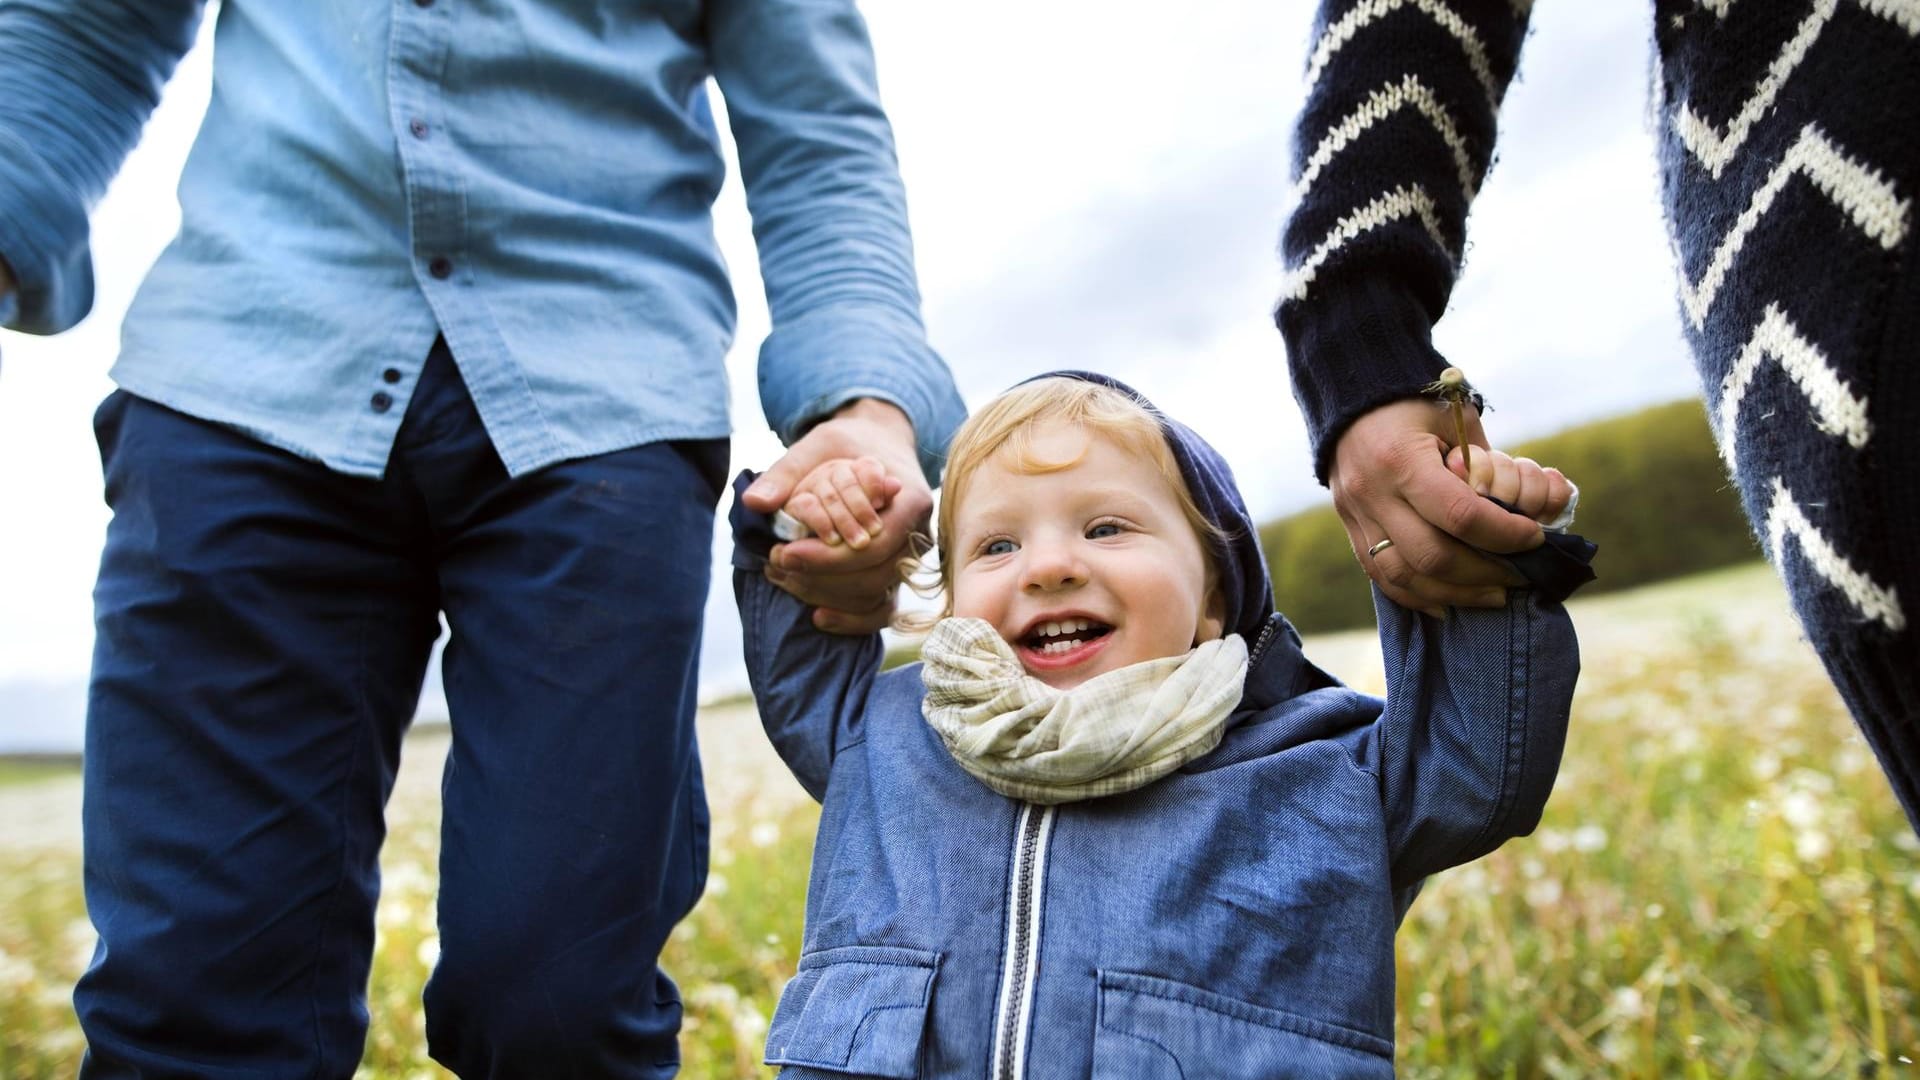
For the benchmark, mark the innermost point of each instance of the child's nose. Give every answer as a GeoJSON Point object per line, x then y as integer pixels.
{"type": "Point", "coordinates": [1053, 566]}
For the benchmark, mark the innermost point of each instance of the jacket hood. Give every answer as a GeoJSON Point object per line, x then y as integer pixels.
{"type": "Point", "coordinates": [1242, 565]}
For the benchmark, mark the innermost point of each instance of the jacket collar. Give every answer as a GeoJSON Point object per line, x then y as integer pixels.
{"type": "Point", "coordinates": [1278, 668]}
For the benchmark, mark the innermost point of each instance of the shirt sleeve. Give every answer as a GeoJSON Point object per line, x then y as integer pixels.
{"type": "Point", "coordinates": [79, 79]}
{"type": "Point", "coordinates": [810, 687]}
{"type": "Point", "coordinates": [1475, 720]}
{"type": "Point", "coordinates": [830, 219]}
{"type": "Point", "coordinates": [1395, 138]}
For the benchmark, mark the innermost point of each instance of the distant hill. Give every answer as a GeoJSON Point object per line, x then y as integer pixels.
{"type": "Point", "coordinates": [1654, 495]}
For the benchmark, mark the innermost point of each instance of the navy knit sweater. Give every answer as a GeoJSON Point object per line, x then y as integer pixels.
{"type": "Point", "coordinates": [1790, 156]}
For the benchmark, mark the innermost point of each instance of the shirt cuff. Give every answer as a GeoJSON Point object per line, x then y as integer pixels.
{"type": "Point", "coordinates": [813, 365]}
{"type": "Point", "coordinates": [43, 236]}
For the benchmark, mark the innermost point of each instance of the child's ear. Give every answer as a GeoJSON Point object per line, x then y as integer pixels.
{"type": "Point", "coordinates": [1213, 617]}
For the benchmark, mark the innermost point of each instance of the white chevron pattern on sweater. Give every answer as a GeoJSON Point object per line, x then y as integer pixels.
{"type": "Point", "coordinates": [1368, 12]}
{"type": "Point", "coordinates": [1785, 518]}
{"type": "Point", "coordinates": [1837, 410]}
{"type": "Point", "coordinates": [1714, 148]}
{"type": "Point", "coordinates": [1401, 202]}
{"type": "Point", "coordinates": [1409, 92]}
{"type": "Point", "coordinates": [1904, 13]}
{"type": "Point", "coordinates": [1869, 201]}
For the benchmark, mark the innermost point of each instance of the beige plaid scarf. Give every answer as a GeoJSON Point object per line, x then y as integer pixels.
{"type": "Point", "coordinates": [1113, 733]}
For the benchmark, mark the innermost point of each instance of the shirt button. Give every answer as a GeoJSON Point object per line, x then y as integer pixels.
{"type": "Point", "coordinates": [418, 127]}
{"type": "Point", "coordinates": [423, 3]}
{"type": "Point", "coordinates": [381, 402]}
{"type": "Point", "coordinates": [441, 267]}
{"type": "Point", "coordinates": [391, 375]}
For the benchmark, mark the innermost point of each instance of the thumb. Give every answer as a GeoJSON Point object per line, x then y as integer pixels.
{"type": "Point", "coordinates": [770, 491]}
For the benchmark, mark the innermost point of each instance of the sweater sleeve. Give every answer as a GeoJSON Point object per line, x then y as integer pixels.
{"type": "Point", "coordinates": [1395, 138]}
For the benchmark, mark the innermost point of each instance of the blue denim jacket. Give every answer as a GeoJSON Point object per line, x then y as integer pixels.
{"type": "Point", "coordinates": [531, 178]}
{"type": "Point", "coordinates": [1233, 920]}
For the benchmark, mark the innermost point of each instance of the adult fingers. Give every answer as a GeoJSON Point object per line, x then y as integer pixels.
{"type": "Point", "coordinates": [858, 601]}
{"type": "Point", "coordinates": [1435, 566]}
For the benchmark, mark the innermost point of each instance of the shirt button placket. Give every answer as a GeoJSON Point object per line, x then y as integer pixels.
{"type": "Point", "coordinates": [419, 50]}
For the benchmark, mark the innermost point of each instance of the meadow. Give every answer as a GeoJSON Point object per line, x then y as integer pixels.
{"type": "Point", "coordinates": [1722, 886]}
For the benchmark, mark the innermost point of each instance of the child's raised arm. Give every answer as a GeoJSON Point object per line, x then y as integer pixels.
{"type": "Point", "coordinates": [810, 686]}
{"type": "Point", "coordinates": [1476, 714]}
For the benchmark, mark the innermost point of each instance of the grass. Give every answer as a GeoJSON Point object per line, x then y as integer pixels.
{"type": "Point", "coordinates": [1722, 887]}
{"type": "Point", "coordinates": [27, 770]}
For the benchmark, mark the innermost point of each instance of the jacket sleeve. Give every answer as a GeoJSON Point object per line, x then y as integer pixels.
{"type": "Point", "coordinates": [1394, 140]}
{"type": "Point", "coordinates": [809, 686]}
{"type": "Point", "coordinates": [829, 218]}
{"type": "Point", "coordinates": [1475, 719]}
{"type": "Point", "coordinates": [78, 79]}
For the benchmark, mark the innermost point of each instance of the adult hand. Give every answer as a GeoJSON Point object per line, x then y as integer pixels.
{"type": "Point", "coordinates": [851, 588]}
{"type": "Point", "coordinates": [1390, 481]}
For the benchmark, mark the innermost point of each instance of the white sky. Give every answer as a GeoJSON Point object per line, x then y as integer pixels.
{"type": "Point", "coordinates": [1092, 184]}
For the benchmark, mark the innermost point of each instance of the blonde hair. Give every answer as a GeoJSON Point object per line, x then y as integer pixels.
{"type": "Point", "coordinates": [1008, 423]}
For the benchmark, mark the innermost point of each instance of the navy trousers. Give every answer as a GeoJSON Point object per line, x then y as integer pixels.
{"type": "Point", "coordinates": [263, 629]}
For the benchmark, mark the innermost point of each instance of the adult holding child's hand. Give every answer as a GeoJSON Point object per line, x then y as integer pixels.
{"type": "Point", "coordinates": [1802, 319]}
{"type": "Point", "coordinates": [851, 582]}
{"type": "Point", "coordinates": [1390, 481]}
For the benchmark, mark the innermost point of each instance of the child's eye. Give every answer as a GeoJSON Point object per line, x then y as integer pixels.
{"type": "Point", "coordinates": [1103, 529]}
{"type": "Point", "coordinates": [1002, 546]}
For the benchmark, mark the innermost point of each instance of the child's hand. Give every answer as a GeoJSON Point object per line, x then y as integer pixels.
{"type": "Point", "coordinates": [841, 499]}
{"type": "Point", "coordinates": [1522, 483]}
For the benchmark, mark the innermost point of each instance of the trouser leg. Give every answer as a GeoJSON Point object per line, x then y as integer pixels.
{"type": "Point", "coordinates": [574, 834]}
{"type": "Point", "coordinates": [261, 641]}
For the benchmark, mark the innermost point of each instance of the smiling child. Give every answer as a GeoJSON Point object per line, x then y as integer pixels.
{"type": "Point", "coordinates": [1116, 824]}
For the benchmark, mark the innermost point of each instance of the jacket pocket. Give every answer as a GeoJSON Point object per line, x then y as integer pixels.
{"type": "Point", "coordinates": [1150, 1028]}
{"type": "Point", "coordinates": [858, 1009]}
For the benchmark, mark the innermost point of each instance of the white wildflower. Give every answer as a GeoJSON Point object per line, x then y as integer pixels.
{"type": "Point", "coordinates": [1812, 845]}
{"type": "Point", "coordinates": [1800, 809]}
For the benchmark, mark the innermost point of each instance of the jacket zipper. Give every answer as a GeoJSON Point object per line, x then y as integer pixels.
{"type": "Point", "coordinates": [1027, 886]}
{"type": "Point", "coordinates": [1260, 645]}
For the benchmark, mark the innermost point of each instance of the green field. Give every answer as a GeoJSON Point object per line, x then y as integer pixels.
{"type": "Point", "coordinates": [1722, 886]}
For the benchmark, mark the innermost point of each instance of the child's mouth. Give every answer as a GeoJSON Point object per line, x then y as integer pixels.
{"type": "Point", "coordinates": [1063, 643]}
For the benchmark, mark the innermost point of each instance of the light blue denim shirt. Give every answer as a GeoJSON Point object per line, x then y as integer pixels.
{"type": "Point", "coordinates": [1233, 920]}
{"type": "Point", "coordinates": [530, 178]}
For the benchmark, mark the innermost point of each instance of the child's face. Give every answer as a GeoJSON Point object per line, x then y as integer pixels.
{"type": "Point", "coordinates": [1084, 570]}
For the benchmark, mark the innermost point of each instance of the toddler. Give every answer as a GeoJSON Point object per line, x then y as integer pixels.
{"type": "Point", "coordinates": [1115, 823]}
